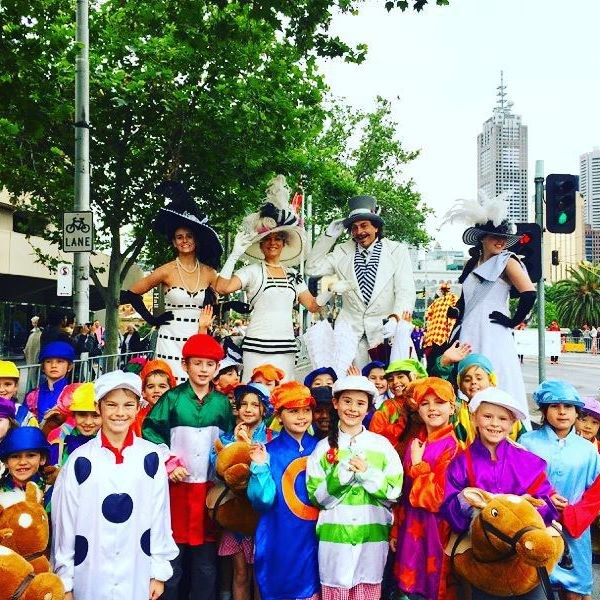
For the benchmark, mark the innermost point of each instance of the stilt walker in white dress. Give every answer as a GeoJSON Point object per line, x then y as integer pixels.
{"type": "Point", "coordinates": [484, 320]}
{"type": "Point", "coordinates": [272, 240]}
{"type": "Point", "coordinates": [187, 280]}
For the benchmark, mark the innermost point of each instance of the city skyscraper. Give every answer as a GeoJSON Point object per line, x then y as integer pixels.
{"type": "Point", "coordinates": [502, 157]}
{"type": "Point", "coordinates": [589, 186]}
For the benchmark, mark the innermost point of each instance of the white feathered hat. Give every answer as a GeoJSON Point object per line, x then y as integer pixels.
{"type": "Point", "coordinates": [485, 217]}
{"type": "Point", "coordinates": [273, 216]}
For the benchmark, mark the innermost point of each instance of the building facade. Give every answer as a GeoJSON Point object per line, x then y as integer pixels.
{"type": "Point", "coordinates": [589, 186]}
{"type": "Point", "coordinates": [592, 244]}
{"type": "Point", "coordinates": [28, 287]}
{"type": "Point", "coordinates": [502, 158]}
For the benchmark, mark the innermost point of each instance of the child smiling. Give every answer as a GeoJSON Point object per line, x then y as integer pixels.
{"type": "Point", "coordinates": [353, 476]}
{"type": "Point", "coordinates": [425, 463]}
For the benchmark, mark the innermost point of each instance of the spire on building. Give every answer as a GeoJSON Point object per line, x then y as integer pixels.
{"type": "Point", "coordinates": [502, 156]}
{"type": "Point", "coordinates": [504, 106]}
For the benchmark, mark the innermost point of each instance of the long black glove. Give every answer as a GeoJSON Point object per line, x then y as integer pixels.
{"type": "Point", "coordinates": [456, 312]}
{"type": "Point", "coordinates": [526, 302]}
{"type": "Point", "coordinates": [136, 300]}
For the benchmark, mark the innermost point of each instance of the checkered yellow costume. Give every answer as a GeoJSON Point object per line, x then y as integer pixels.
{"type": "Point", "coordinates": [438, 325]}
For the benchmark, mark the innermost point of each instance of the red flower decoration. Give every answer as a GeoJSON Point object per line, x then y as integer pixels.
{"type": "Point", "coordinates": [332, 456]}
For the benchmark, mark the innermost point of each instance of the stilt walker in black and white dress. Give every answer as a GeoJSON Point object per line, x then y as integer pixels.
{"type": "Point", "coordinates": [272, 240]}
{"type": "Point", "coordinates": [187, 280]}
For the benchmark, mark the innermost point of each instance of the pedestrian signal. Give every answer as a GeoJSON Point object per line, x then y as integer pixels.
{"type": "Point", "coordinates": [561, 191]}
{"type": "Point", "coordinates": [529, 248]}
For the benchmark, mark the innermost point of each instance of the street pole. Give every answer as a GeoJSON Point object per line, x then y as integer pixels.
{"type": "Point", "coordinates": [541, 300]}
{"type": "Point", "coordinates": [81, 260]}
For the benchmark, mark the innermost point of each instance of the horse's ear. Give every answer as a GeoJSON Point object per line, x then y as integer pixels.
{"type": "Point", "coordinates": [31, 492]}
{"type": "Point", "coordinates": [476, 497]}
{"type": "Point", "coordinates": [537, 502]}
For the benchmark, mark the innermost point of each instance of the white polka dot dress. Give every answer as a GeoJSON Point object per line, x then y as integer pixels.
{"type": "Point", "coordinates": [111, 522]}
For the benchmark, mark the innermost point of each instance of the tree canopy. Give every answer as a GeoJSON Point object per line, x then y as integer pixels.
{"type": "Point", "coordinates": [220, 94]}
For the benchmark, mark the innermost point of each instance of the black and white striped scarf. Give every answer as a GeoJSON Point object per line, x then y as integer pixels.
{"type": "Point", "coordinates": [366, 272]}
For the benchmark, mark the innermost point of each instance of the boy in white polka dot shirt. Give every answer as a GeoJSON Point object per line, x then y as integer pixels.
{"type": "Point", "coordinates": [111, 520]}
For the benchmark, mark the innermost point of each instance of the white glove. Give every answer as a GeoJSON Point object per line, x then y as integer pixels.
{"type": "Point", "coordinates": [243, 240]}
{"type": "Point", "coordinates": [341, 286]}
{"type": "Point", "coordinates": [323, 297]}
{"type": "Point", "coordinates": [335, 228]}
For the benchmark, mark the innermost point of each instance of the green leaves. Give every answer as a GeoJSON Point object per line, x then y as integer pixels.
{"type": "Point", "coordinates": [358, 152]}
{"type": "Point", "coordinates": [577, 298]}
{"type": "Point", "coordinates": [418, 5]}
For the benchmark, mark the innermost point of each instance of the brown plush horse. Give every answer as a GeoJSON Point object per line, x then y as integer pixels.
{"type": "Point", "coordinates": [226, 501]}
{"type": "Point", "coordinates": [30, 529]}
{"type": "Point", "coordinates": [508, 542]}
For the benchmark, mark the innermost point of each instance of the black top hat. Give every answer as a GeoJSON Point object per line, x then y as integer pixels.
{"type": "Point", "coordinates": [363, 208]}
{"type": "Point", "coordinates": [182, 211]}
{"type": "Point", "coordinates": [506, 229]}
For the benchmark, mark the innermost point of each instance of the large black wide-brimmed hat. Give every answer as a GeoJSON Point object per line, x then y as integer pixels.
{"type": "Point", "coordinates": [363, 208]}
{"type": "Point", "coordinates": [182, 211]}
{"type": "Point", "coordinates": [505, 229]}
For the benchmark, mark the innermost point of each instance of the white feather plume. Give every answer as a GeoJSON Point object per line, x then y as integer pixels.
{"type": "Point", "coordinates": [319, 344]}
{"type": "Point", "coordinates": [345, 343]}
{"type": "Point", "coordinates": [278, 192]}
{"type": "Point", "coordinates": [472, 212]}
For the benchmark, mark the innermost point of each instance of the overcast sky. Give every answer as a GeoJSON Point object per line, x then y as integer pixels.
{"type": "Point", "coordinates": [444, 65]}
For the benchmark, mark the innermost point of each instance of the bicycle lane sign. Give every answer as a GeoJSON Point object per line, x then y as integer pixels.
{"type": "Point", "coordinates": [78, 231]}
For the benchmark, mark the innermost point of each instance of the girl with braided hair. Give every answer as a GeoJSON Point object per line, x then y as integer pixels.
{"type": "Point", "coordinates": [353, 476]}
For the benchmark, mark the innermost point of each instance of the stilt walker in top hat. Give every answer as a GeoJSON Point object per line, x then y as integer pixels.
{"type": "Point", "coordinates": [375, 273]}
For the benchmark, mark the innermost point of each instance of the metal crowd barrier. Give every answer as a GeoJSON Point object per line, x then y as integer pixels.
{"type": "Point", "coordinates": [87, 368]}
{"type": "Point", "coordinates": [580, 344]}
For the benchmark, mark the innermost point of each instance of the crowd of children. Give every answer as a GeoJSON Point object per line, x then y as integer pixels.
{"type": "Point", "coordinates": [359, 481]}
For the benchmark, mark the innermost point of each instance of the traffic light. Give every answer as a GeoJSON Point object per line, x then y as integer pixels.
{"type": "Point", "coordinates": [529, 248]}
{"type": "Point", "coordinates": [555, 261]}
{"type": "Point", "coordinates": [560, 203]}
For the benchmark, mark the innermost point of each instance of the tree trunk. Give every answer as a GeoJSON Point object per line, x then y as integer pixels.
{"type": "Point", "coordinates": [112, 302]}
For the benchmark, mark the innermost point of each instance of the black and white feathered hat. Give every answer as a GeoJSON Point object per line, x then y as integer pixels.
{"type": "Point", "coordinates": [182, 211]}
{"type": "Point", "coordinates": [485, 217]}
{"type": "Point", "coordinates": [273, 216]}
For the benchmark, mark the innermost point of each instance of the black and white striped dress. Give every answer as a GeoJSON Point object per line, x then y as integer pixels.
{"type": "Point", "coordinates": [270, 334]}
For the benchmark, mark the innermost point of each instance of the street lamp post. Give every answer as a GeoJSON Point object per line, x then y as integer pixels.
{"type": "Point", "coordinates": [541, 312]}
{"type": "Point", "coordinates": [81, 260]}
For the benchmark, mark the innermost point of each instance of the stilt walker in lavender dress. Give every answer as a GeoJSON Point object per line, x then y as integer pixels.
{"type": "Point", "coordinates": [484, 320]}
{"type": "Point", "coordinates": [187, 280]}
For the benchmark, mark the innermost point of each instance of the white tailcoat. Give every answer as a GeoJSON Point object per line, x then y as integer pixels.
{"type": "Point", "coordinates": [394, 290]}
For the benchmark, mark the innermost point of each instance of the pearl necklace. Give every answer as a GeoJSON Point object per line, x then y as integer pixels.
{"type": "Point", "coordinates": [180, 267]}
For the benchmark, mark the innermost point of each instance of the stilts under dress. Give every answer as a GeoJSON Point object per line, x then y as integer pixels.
{"type": "Point", "coordinates": [270, 335]}
{"type": "Point", "coordinates": [485, 291]}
